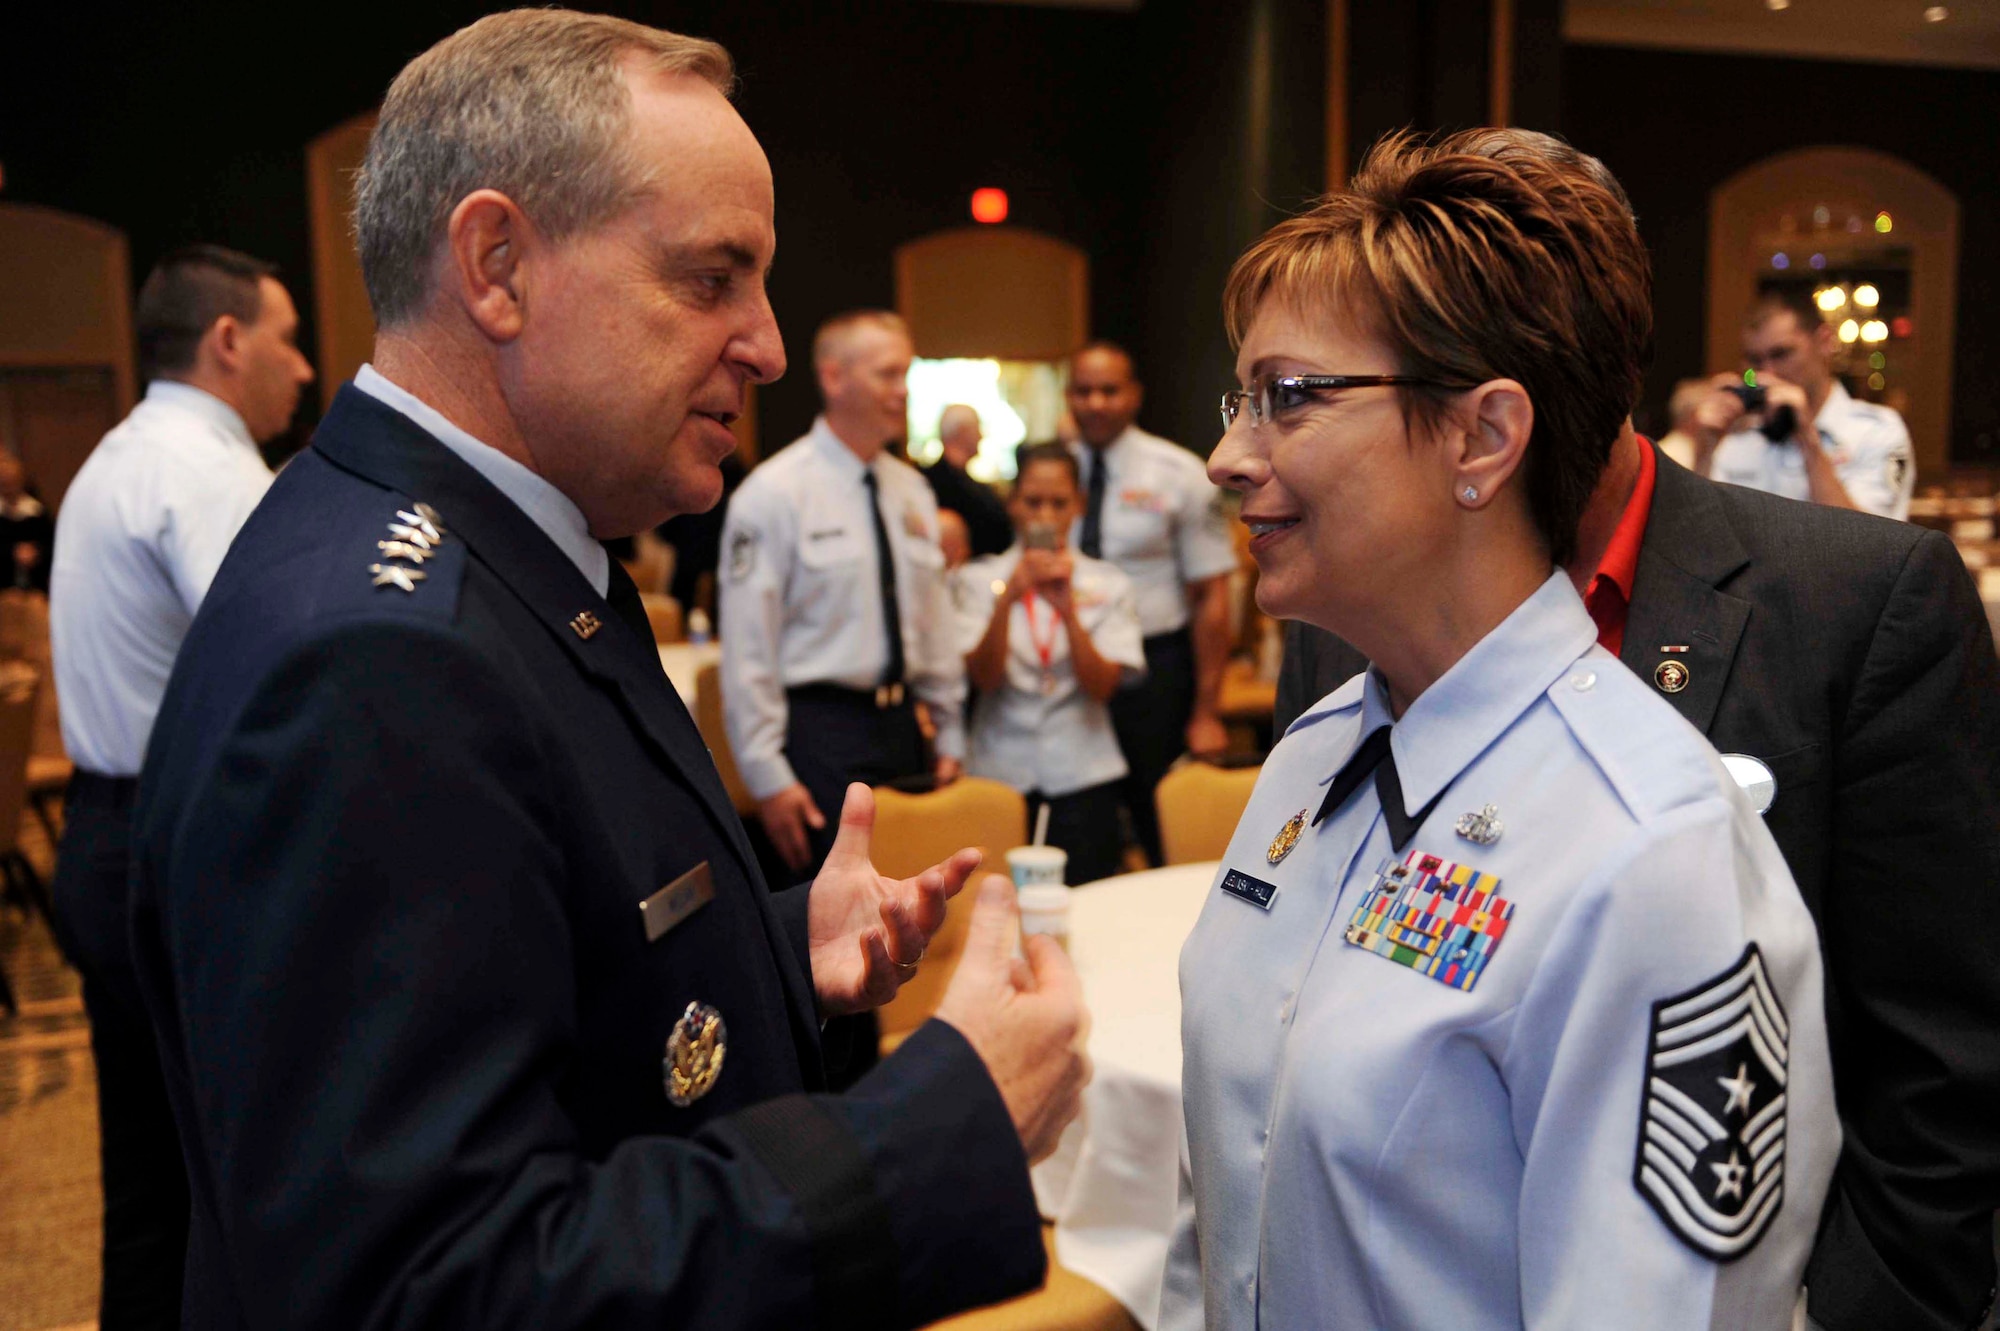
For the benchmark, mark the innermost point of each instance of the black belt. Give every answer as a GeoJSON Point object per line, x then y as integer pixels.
{"type": "Point", "coordinates": [883, 697]}
{"type": "Point", "coordinates": [114, 792]}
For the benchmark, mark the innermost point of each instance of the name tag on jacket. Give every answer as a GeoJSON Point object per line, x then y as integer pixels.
{"type": "Point", "coordinates": [677, 900]}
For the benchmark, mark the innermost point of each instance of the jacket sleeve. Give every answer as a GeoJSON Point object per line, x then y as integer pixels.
{"type": "Point", "coordinates": [1911, 926]}
{"type": "Point", "coordinates": [368, 942]}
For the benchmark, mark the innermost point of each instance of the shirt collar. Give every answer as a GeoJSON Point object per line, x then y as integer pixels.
{"type": "Point", "coordinates": [1485, 691]}
{"type": "Point", "coordinates": [1090, 457]}
{"type": "Point", "coordinates": [1621, 558]}
{"type": "Point", "coordinates": [549, 508]}
{"type": "Point", "coordinates": [1836, 405]}
{"type": "Point", "coordinates": [835, 451]}
{"type": "Point", "coordinates": [202, 403]}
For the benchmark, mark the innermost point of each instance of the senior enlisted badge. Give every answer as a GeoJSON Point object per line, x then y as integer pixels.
{"type": "Point", "coordinates": [695, 1052]}
{"type": "Point", "coordinates": [1288, 836]}
{"type": "Point", "coordinates": [1440, 919]}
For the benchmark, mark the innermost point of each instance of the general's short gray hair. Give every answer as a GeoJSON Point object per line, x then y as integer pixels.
{"type": "Point", "coordinates": [531, 103]}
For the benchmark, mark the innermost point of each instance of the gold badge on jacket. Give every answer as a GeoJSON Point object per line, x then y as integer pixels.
{"type": "Point", "coordinates": [695, 1052]}
{"type": "Point", "coordinates": [1671, 676]}
{"type": "Point", "coordinates": [1288, 836]}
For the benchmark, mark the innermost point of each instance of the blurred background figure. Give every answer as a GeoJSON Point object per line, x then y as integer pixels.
{"type": "Point", "coordinates": [954, 539]}
{"type": "Point", "coordinates": [1049, 635]}
{"type": "Point", "coordinates": [1149, 508]}
{"type": "Point", "coordinates": [145, 525]}
{"type": "Point", "coordinates": [26, 530]}
{"type": "Point", "coordinates": [1789, 427]}
{"type": "Point", "coordinates": [984, 513]}
{"type": "Point", "coordinates": [1678, 442]}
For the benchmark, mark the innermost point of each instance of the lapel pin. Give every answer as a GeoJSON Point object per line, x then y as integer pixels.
{"type": "Point", "coordinates": [395, 575]}
{"type": "Point", "coordinates": [1673, 647]}
{"type": "Point", "coordinates": [695, 1050]}
{"type": "Point", "coordinates": [1482, 828]}
{"type": "Point", "coordinates": [1288, 836]}
{"type": "Point", "coordinates": [1671, 676]}
{"type": "Point", "coordinates": [586, 625]}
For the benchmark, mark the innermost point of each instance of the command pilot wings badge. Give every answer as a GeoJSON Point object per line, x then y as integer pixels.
{"type": "Point", "coordinates": [1711, 1156]}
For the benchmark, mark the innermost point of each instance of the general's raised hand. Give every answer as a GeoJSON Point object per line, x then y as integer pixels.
{"type": "Point", "coordinates": [866, 933]}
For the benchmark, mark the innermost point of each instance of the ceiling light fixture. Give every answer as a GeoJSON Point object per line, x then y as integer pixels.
{"type": "Point", "coordinates": [1936, 14]}
{"type": "Point", "coordinates": [1775, 5]}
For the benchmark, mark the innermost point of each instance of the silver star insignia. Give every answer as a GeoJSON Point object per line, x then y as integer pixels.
{"type": "Point", "coordinates": [413, 536]}
{"type": "Point", "coordinates": [1740, 1087]}
{"type": "Point", "coordinates": [1729, 1177]}
{"type": "Point", "coordinates": [409, 550]}
{"type": "Point", "coordinates": [425, 521]}
{"type": "Point", "coordinates": [395, 575]}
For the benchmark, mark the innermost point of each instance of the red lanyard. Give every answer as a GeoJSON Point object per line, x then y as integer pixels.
{"type": "Point", "coordinates": [1045, 648]}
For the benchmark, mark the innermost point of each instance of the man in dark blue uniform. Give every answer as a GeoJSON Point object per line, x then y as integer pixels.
{"type": "Point", "coordinates": [473, 1007]}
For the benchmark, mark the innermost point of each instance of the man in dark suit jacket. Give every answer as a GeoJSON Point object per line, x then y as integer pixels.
{"type": "Point", "coordinates": [473, 1007]}
{"type": "Point", "coordinates": [1850, 655]}
{"type": "Point", "coordinates": [986, 519]}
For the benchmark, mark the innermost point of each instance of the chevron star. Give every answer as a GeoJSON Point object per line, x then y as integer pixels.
{"type": "Point", "coordinates": [395, 575]}
{"type": "Point", "coordinates": [1729, 1178]}
{"type": "Point", "coordinates": [413, 535]}
{"type": "Point", "coordinates": [424, 521]}
{"type": "Point", "coordinates": [1740, 1087]}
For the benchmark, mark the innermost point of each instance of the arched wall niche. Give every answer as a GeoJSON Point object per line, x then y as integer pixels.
{"type": "Point", "coordinates": [1004, 292]}
{"type": "Point", "coordinates": [66, 351]}
{"type": "Point", "coordinates": [1769, 208]}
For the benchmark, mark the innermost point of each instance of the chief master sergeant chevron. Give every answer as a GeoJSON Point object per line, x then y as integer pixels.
{"type": "Point", "coordinates": [473, 1008]}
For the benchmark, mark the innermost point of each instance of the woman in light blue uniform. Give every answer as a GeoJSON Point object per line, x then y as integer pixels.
{"type": "Point", "coordinates": [1504, 1010]}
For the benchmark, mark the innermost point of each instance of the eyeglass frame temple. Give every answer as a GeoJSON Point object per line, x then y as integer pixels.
{"type": "Point", "coordinates": [1322, 383]}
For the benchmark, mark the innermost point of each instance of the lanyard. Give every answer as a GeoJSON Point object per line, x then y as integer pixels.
{"type": "Point", "coordinates": [1045, 648]}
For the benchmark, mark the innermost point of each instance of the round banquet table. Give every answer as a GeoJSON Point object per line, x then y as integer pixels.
{"type": "Point", "coordinates": [1110, 1186]}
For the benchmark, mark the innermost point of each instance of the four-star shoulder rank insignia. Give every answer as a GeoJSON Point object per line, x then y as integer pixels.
{"type": "Point", "coordinates": [1711, 1153]}
{"type": "Point", "coordinates": [695, 1050]}
{"type": "Point", "coordinates": [414, 537]}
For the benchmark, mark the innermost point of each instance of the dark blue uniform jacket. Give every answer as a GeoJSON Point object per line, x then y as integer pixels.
{"type": "Point", "coordinates": [390, 850]}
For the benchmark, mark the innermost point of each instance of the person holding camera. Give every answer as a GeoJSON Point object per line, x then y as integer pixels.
{"type": "Point", "coordinates": [1049, 635]}
{"type": "Point", "coordinates": [1796, 432]}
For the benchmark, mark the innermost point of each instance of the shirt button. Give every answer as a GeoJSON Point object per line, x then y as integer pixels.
{"type": "Point", "coordinates": [1583, 681]}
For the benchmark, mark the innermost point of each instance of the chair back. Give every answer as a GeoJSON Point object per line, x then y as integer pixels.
{"type": "Point", "coordinates": [664, 614]}
{"type": "Point", "coordinates": [708, 720]}
{"type": "Point", "coordinates": [913, 832]}
{"type": "Point", "coordinates": [1200, 805]}
{"type": "Point", "coordinates": [24, 636]}
{"type": "Point", "coordinates": [18, 682]}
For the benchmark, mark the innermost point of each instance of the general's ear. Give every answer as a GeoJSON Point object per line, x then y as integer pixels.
{"type": "Point", "coordinates": [490, 246]}
{"type": "Point", "coordinates": [1497, 419]}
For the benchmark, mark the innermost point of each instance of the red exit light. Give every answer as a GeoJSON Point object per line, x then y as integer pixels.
{"type": "Point", "coordinates": [989, 205]}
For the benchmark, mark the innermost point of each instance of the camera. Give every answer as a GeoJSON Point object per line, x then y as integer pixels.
{"type": "Point", "coordinates": [1777, 426]}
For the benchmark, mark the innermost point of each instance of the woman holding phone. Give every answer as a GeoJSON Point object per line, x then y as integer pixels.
{"type": "Point", "coordinates": [1048, 636]}
{"type": "Point", "coordinates": [1504, 1010]}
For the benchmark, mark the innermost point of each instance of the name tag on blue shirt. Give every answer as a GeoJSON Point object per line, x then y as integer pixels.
{"type": "Point", "coordinates": [1253, 890]}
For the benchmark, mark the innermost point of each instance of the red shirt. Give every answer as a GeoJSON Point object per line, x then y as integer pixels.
{"type": "Point", "coordinates": [1609, 595]}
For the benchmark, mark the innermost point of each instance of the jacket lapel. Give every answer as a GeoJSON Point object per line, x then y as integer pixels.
{"type": "Point", "coordinates": [372, 440]}
{"type": "Point", "coordinates": [1688, 552]}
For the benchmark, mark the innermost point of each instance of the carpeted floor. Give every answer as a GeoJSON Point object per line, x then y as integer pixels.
{"type": "Point", "coordinates": [49, 1203]}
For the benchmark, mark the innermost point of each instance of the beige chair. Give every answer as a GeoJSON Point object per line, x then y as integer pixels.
{"type": "Point", "coordinates": [708, 720]}
{"type": "Point", "coordinates": [913, 832]}
{"type": "Point", "coordinates": [18, 681]}
{"type": "Point", "coordinates": [1067, 1302]}
{"type": "Point", "coordinates": [663, 612]}
{"type": "Point", "coordinates": [24, 636]}
{"type": "Point", "coordinates": [1200, 806]}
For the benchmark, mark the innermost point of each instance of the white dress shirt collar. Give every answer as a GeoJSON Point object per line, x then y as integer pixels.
{"type": "Point", "coordinates": [200, 402]}
{"type": "Point", "coordinates": [835, 450]}
{"type": "Point", "coordinates": [549, 508]}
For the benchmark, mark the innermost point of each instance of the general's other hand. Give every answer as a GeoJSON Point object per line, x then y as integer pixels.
{"type": "Point", "coordinates": [1207, 737]}
{"type": "Point", "coordinates": [866, 933]}
{"type": "Point", "coordinates": [790, 818]}
{"type": "Point", "coordinates": [1025, 1019]}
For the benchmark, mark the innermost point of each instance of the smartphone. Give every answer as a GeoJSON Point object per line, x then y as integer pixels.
{"type": "Point", "coordinates": [1041, 536]}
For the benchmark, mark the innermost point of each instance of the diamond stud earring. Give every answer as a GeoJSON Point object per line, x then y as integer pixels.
{"type": "Point", "coordinates": [1470, 493]}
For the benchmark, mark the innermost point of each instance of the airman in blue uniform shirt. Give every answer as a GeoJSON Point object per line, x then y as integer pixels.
{"type": "Point", "coordinates": [1556, 1060]}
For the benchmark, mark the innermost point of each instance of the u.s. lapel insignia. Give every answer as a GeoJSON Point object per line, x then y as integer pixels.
{"type": "Point", "coordinates": [1482, 828]}
{"type": "Point", "coordinates": [695, 1052]}
{"type": "Point", "coordinates": [1671, 676]}
{"type": "Point", "coordinates": [1711, 1142]}
{"type": "Point", "coordinates": [1288, 836]}
{"type": "Point", "coordinates": [395, 575]}
{"type": "Point", "coordinates": [585, 625]}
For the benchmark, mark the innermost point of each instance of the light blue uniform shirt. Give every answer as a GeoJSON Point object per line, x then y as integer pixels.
{"type": "Point", "coordinates": [1627, 1121]}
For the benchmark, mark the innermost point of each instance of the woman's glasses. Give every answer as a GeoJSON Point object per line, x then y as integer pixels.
{"type": "Point", "coordinates": [1269, 398]}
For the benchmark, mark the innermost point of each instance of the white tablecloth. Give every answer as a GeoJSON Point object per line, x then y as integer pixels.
{"type": "Point", "coordinates": [1110, 1185]}
{"type": "Point", "coordinates": [683, 661]}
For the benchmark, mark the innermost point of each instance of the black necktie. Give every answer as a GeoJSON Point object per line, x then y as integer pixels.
{"type": "Point", "coordinates": [1092, 543]}
{"type": "Point", "coordinates": [623, 596]}
{"type": "Point", "coordinates": [892, 613]}
{"type": "Point", "coordinates": [1375, 756]}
